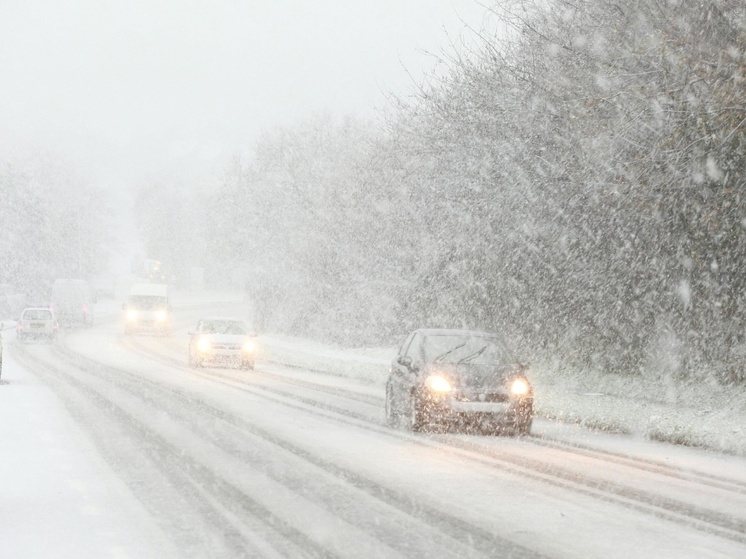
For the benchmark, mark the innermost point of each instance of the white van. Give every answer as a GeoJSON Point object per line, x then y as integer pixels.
{"type": "Point", "coordinates": [147, 309]}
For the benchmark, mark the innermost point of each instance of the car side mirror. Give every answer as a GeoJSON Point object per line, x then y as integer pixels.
{"type": "Point", "coordinates": [252, 334]}
{"type": "Point", "coordinates": [191, 333]}
{"type": "Point", "coordinates": [124, 306]}
{"type": "Point", "coordinates": [405, 361]}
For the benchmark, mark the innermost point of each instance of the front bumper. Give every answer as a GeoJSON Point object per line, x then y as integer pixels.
{"type": "Point", "coordinates": [478, 407]}
{"type": "Point", "coordinates": [36, 331]}
{"type": "Point", "coordinates": [508, 413]}
{"type": "Point", "coordinates": [225, 357]}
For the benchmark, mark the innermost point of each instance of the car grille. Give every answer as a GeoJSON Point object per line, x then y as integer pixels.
{"type": "Point", "coordinates": [226, 346]}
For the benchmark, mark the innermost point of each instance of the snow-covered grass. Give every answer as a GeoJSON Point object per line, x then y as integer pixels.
{"type": "Point", "coordinates": [706, 415]}
{"type": "Point", "coordinates": [702, 414]}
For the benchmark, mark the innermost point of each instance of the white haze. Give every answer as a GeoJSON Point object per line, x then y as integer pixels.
{"type": "Point", "coordinates": [131, 91]}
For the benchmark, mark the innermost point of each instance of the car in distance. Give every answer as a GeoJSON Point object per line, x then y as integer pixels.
{"type": "Point", "coordinates": [458, 378]}
{"type": "Point", "coordinates": [36, 323]}
{"type": "Point", "coordinates": [222, 341]}
{"type": "Point", "coordinates": [148, 309]}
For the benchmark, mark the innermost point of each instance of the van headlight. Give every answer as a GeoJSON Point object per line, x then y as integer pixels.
{"type": "Point", "coordinates": [131, 315]}
{"type": "Point", "coordinates": [248, 347]}
{"type": "Point", "coordinates": [161, 315]}
{"type": "Point", "coordinates": [203, 344]}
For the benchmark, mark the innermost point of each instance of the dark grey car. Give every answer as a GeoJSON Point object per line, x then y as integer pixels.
{"type": "Point", "coordinates": [458, 378]}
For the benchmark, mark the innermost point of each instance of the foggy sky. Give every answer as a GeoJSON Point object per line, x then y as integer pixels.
{"type": "Point", "coordinates": [129, 90]}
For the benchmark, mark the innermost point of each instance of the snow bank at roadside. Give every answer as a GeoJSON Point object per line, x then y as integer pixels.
{"type": "Point", "coordinates": [703, 415]}
{"type": "Point", "coordinates": [707, 415]}
{"type": "Point", "coordinates": [368, 364]}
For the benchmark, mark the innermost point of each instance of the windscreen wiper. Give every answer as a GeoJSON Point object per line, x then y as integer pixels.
{"type": "Point", "coordinates": [472, 355]}
{"type": "Point", "coordinates": [440, 357]}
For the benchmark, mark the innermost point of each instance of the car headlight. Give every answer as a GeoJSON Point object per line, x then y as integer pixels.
{"type": "Point", "coordinates": [248, 347]}
{"type": "Point", "coordinates": [519, 387]}
{"type": "Point", "coordinates": [436, 383]}
{"type": "Point", "coordinates": [132, 315]}
{"type": "Point", "coordinates": [161, 315]}
{"type": "Point", "coordinates": [203, 344]}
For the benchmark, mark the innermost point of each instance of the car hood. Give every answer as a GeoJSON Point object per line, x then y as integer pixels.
{"type": "Point", "coordinates": [475, 377]}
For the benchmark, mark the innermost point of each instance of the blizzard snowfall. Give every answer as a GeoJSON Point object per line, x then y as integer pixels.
{"type": "Point", "coordinates": [115, 448]}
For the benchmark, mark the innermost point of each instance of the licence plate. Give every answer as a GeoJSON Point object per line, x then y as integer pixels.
{"type": "Point", "coordinates": [38, 325]}
{"type": "Point", "coordinates": [479, 407]}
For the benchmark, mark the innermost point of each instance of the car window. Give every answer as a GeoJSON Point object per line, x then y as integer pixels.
{"type": "Point", "coordinates": [147, 302]}
{"type": "Point", "coordinates": [460, 349]}
{"type": "Point", "coordinates": [37, 314]}
{"type": "Point", "coordinates": [413, 350]}
{"type": "Point", "coordinates": [224, 327]}
{"type": "Point", "coordinates": [405, 344]}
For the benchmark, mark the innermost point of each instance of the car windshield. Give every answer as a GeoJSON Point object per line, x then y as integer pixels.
{"type": "Point", "coordinates": [223, 327]}
{"type": "Point", "coordinates": [37, 314]}
{"type": "Point", "coordinates": [461, 348]}
{"type": "Point", "coordinates": [147, 302]}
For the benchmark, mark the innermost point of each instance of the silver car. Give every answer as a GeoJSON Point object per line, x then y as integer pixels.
{"type": "Point", "coordinates": [458, 378]}
{"type": "Point", "coordinates": [37, 323]}
{"type": "Point", "coordinates": [222, 341]}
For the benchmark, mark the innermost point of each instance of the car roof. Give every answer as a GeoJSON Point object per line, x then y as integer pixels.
{"type": "Point", "coordinates": [37, 309]}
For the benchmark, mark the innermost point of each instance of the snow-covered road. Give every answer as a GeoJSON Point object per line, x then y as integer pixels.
{"type": "Point", "coordinates": [113, 447]}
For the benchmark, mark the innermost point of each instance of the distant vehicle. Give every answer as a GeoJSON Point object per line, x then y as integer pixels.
{"type": "Point", "coordinates": [151, 270]}
{"type": "Point", "coordinates": [72, 302]}
{"type": "Point", "coordinates": [458, 378]}
{"type": "Point", "coordinates": [11, 301]}
{"type": "Point", "coordinates": [147, 309]}
{"type": "Point", "coordinates": [36, 323]}
{"type": "Point", "coordinates": [222, 341]}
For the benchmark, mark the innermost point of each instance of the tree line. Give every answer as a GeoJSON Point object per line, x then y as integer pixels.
{"type": "Point", "coordinates": [575, 181]}
{"type": "Point", "coordinates": [53, 224]}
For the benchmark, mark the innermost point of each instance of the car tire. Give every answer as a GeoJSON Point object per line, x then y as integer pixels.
{"type": "Point", "coordinates": [392, 414]}
{"type": "Point", "coordinates": [523, 428]}
{"type": "Point", "coordinates": [524, 417]}
{"type": "Point", "coordinates": [417, 414]}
